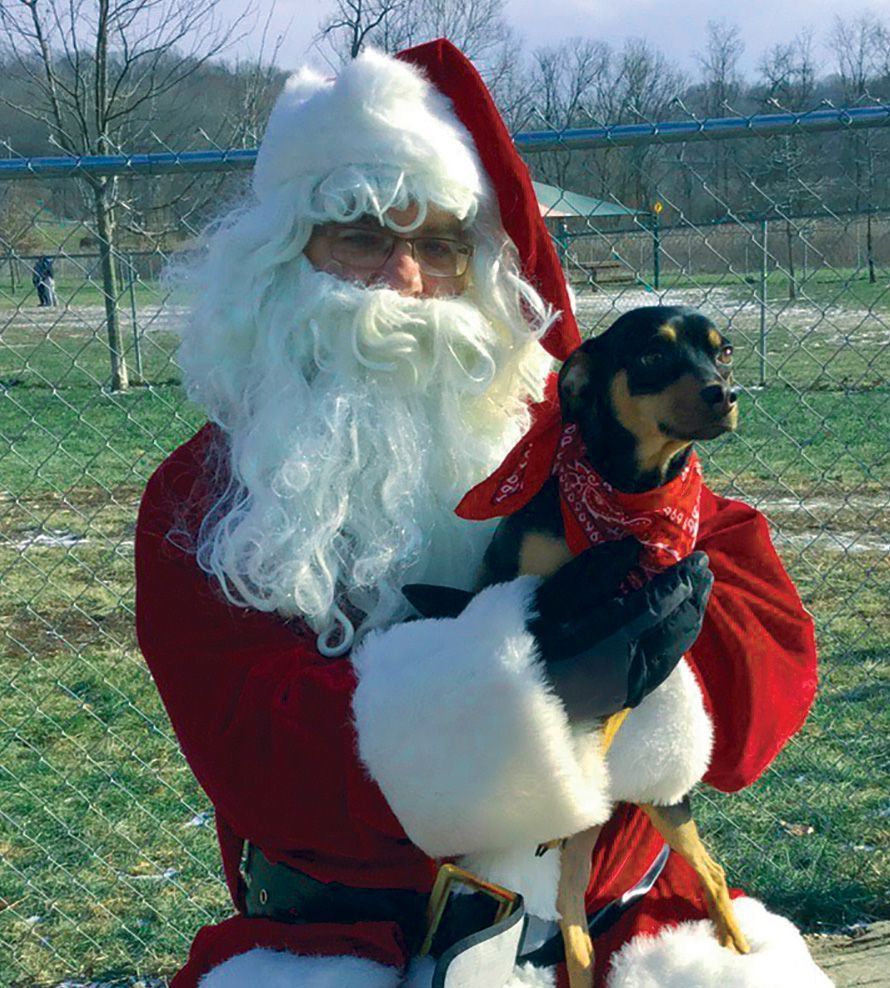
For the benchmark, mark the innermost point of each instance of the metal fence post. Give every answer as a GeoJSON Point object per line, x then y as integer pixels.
{"type": "Point", "coordinates": [656, 252]}
{"type": "Point", "coordinates": [764, 263]}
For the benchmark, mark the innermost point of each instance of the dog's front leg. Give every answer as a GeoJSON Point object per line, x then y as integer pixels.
{"type": "Point", "coordinates": [574, 877]}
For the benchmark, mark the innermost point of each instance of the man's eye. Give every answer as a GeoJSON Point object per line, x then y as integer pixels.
{"type": "Point", "coordinates": [436, 249]}
{"type": "Point", "coordinates": [361, 240]}
{"type": "Point", "coordinates": [724, 356]}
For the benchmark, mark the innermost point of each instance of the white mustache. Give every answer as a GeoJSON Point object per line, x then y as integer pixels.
{"type": "Point", "coordinates": [391, 334]}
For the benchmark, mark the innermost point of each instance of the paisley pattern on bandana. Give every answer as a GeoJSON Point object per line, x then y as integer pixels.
{"type": "Point", "coordinates": [664, 520]}
{"type": "Point", "coordinates": [514, 483]}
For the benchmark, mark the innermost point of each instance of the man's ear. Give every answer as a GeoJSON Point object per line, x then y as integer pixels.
{"type": "Point", "coordinates": [580, 383]}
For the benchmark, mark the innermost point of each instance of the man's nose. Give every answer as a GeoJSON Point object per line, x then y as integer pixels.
{"type": "Point", "coordinates": [401, 272]}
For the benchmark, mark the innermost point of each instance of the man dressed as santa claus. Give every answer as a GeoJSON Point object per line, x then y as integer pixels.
{"type": "Point", "coordinates": [373, 334]}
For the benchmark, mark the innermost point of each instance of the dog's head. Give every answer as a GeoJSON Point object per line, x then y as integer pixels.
{"type": "Point", "coordinates": [661, 375]}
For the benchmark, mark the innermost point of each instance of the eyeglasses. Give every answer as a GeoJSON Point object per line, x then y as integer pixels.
{"type": "Point", "coordinates": [369, 249]}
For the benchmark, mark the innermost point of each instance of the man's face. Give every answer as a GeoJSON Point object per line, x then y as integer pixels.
{"type": "Point", "coordinates": [412, 269]}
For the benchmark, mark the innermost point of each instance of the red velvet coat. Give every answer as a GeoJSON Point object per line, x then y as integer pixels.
{"type": "Point", "coordinates": [265, 724]}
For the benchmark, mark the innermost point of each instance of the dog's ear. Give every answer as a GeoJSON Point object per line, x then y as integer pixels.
{"type": "Point", "coordinates": [580, 382]}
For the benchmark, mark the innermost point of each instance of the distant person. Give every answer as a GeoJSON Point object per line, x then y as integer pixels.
{"type": "Point", "coordinates": [44, 281]}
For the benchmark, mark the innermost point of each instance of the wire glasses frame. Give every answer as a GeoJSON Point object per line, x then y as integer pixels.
{"type": "Point", "coordinates": [368, 249]}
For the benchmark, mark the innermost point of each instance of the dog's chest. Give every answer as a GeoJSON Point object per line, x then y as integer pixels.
{"type": "Point", "coordinates": [665, 520]}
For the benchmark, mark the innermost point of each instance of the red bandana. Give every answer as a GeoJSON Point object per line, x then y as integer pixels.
{"type": "Point", "coordinates": [664, 520]}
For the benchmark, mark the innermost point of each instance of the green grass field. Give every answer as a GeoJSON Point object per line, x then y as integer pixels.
{"type": "Point", "coordinates": [107, 855]}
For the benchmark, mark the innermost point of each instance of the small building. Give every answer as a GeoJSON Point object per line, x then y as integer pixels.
{"type": "Point", "coordinates": [592, 217]}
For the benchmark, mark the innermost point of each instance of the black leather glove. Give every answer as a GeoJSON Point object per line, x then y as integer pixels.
{"type": "Point", "coordinates": [606, 652]}
{"type": "Point", "coordinates": [603, 651]}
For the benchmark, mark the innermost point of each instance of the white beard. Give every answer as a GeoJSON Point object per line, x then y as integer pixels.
{"type": "Point", "coordinates": [365, 418]}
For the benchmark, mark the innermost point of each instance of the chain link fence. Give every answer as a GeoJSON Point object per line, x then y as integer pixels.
{"type": "Point", "coordinates": [777, 227]}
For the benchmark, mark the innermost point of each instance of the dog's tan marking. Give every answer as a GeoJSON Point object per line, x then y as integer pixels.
{"type": "Point", "coordinates": [610, 727]}
{"type": "Point", "coordinates": [667, 332]}
{"type": "Point", "coordinates": [574, 877]}
{"type": "Point", "coordinates": [715, 339]}
{"type": "Point", "coordinates": [640, 415]}
{"type": "Point", "coordinates": [542, 554]}
{"type": "Point", "coordinates": [685, 840]}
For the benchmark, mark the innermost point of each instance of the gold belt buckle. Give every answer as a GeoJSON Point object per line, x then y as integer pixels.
{"type": "Point", "coordinates": [448, 875]}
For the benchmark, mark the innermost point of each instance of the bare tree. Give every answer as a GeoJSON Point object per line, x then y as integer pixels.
{"type": "Point", "coordinates": [860, 47]}
{"type": "Point", "coordinates": [720, 67]}
{"type": "Point", "coordinates": [570, 83]}
{"type": "Point", "coordinates": [95, 71]}
{"type": "Point", "coordinates": [788, 75]}
{"type": "Point", "coordinates": [479, 29]}
{"type": "Point", "coordinates": [721, 89]}
{"type": "Point", "coordinates": [357, 23]}
{"type": "Point", "coordinates": [258, 82]}
{"type": "Point", "coordinates": [645, 85]}
{"type": "Point", "coordinates": [506, 76]}
{"type": "Point", "coordinates": [476, 28]}
{"type": "Point", "coordinates": [583, 83]}
{"type": "Point", "coordinates": [570, 80]}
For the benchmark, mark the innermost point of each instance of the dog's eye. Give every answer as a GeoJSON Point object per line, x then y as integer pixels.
{"type": "Point", "coordinates": [724, 356]}
{"type": "Point", "coordinates": [652, 359]}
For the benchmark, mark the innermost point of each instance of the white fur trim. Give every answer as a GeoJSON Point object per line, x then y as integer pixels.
{"type": "Point", "coordinates": [263, 968]}
{"type": "Point", "coordinates": [459, 727]}
{"type": "Point", "coordinates": [420, 975]}
{"type": "Point", "coordinates": [526, 976]}
{"type": "Point", "coordinates": [688, 956]}
{"type": "Point", "coordinates": [520, 869]}
{"type": "Point", "coordinates": [378, 112]}
{"type": "Point", "coordinates": [664, 746]}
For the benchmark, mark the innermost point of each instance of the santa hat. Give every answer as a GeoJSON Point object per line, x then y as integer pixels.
{"type": "Point", "coordinates": [428, 115]}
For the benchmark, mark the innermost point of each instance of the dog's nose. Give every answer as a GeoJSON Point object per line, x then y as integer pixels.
{"type": "Point", "coordinates": [719, 394]}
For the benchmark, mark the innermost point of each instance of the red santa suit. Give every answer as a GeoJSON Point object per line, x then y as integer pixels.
{"type": "Point", "coordinates": [442, 738]}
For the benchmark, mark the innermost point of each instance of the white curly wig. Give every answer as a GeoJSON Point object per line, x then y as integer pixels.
{"type": "Point", "coordinates": [354, 418]}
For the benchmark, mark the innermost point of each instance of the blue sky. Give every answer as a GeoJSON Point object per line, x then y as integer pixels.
{"type": "Point", "coordinates": [678, 27]}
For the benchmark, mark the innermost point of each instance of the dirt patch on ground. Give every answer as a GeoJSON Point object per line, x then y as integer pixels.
{"type": "Point", "coordinates": [861, 958]}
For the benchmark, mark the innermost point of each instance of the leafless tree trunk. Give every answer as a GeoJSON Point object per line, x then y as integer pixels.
{"type": "Point", "coordinates": [860, 47]}
{"type": "Point", "coordinates": [722, 87]}
{"type": "Point", "coordinates": [788, 75]}
{"type": "Point", "coordinates": [94, 72]}
{"type": "Point", "coordinates": [104, 211]}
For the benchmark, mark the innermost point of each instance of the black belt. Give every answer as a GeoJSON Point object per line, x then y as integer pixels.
{"type": "Point", "coordinates": [286, 894]}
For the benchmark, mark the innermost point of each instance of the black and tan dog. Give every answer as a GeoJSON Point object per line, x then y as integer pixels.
{"type": "Point", "coordinates": [640, 394]}
{"type": "Point", "coordinates": [658, 380]}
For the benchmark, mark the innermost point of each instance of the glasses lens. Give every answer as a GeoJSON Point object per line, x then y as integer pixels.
{"type": "Point", "coordinates": [442, 258]}
{"type": "Point", "coordinates": [369, 249]}
{"type": "Point", "coordinates": [361, 248]}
